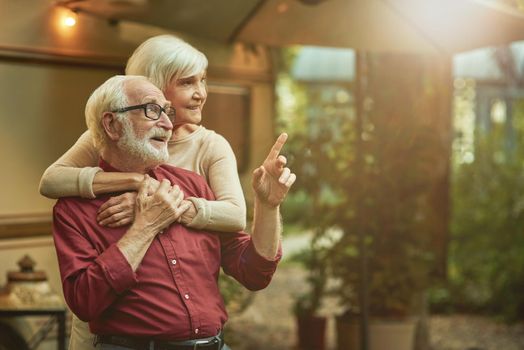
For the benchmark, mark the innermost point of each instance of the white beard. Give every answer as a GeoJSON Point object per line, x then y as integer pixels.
{"type": "Point", "coordinates": [141, 148]}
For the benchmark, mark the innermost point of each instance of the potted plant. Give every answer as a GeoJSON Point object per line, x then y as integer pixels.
{"type": "Point", "coordinates": [311, 326]}
{"type": "Point", "coordinates": [374, 164]}
{"type": "Point", "coordinates": [388, 211]}
{"type": "Point", "coordinates": [397, 277]}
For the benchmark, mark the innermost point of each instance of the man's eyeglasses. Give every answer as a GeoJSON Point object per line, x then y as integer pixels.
{"type": "Point", "coordinates": [152, 111]}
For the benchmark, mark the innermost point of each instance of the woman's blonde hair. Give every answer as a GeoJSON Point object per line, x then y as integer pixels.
{"type": "Point", "coordinates": [164, 57]}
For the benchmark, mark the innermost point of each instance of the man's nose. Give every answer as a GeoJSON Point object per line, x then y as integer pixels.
{"type": "Point", "coordinates": [165, 122]}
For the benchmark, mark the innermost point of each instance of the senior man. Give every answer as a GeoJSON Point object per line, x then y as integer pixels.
{"type": "Point", "coordinates": [153, 284]}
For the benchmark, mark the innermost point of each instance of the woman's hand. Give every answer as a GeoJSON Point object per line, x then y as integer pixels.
{"type": "Point", "coordinates": [118, 211]}
{"type": "Point", "coordinates": [189, 214]}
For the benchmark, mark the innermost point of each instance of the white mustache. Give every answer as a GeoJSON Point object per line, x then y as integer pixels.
{"type": "Point", "coordinates": [159, 132]}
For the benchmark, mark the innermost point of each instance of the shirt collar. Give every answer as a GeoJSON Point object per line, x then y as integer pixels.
{"type": "Point", "coordinates": [109, 168]}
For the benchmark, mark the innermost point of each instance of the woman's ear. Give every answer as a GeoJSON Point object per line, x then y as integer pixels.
{"type": "Point", "coordinates": [112, 127]}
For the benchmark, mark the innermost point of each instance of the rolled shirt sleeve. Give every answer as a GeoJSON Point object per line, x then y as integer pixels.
{"type": "Point", "coordinates": [91, 280]}
{"type": "Point", "coordinates": [241, 261]}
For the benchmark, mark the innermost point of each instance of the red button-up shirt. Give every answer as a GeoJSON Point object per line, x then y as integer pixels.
{"type": "Point", "coordinates": [173, 295]}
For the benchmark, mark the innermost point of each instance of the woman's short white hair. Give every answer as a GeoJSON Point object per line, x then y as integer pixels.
{"type": "Point", "coordinates": [107, 97]}
{"type": "Point", "coordinates": [164, 57]}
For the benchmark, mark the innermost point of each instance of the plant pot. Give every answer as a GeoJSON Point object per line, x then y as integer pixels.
{"type": "Point", "coordinates": [384, 334]}
{"type": "Point", "coordinates": [311, 332]}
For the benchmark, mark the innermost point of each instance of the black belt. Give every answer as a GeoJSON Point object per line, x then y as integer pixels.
{"type": "Point", "coordinates": [211, 343]}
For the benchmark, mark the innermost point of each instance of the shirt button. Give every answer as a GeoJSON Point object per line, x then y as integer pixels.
{"type": "Point", "coordinates": [173, 261]}
{"type": "Point", "coordinates": [186, 296]}
{"type": "Point", "coordinates": [196, 331]}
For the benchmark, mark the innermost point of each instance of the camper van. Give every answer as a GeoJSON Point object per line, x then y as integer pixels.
{"type": "Point", "coordinates": [51, 59]}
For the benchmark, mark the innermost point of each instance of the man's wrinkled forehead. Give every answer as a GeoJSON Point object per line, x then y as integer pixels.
{"type": "Point", "coordinates": [141, 91]}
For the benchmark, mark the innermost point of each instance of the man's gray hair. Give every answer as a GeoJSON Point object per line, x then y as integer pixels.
{"type": "Point", "coordinates": [107, 97]}
{"type": "Point", "coordinates": [164, 57]}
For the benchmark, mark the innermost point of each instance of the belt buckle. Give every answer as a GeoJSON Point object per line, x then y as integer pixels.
{"type": "Point", "coordinates": [200, 342]}
{"type": "Point", "coordinates": [215, 341]}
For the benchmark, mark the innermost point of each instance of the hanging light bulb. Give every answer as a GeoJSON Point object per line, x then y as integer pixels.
{"type": "Point", "coordinates": [69, 19]}
{"type": "Point", "coordinates": [64, 22]}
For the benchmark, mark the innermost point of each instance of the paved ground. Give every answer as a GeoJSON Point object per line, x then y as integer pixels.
{"type": "Point", "coordinates": [268, 323]}
{"type": "Point", "coordinates": [460, 332]}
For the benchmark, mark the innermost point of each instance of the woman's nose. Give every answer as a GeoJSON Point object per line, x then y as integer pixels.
{"type": "Point", "coordinates": [200, 91]}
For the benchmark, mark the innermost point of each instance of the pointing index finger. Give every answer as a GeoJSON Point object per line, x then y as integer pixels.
{"type": "Point", "coordinates": [277, 147]}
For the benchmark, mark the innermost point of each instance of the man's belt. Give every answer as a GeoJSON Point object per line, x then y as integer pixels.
{"type": "Point", "coordinates": [211, 343]}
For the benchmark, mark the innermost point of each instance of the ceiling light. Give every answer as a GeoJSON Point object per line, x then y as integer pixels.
{"type": "Point", "coordinates": [69, 19]}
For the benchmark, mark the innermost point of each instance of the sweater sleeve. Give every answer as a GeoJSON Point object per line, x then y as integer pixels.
{"type": "Point", "coordinates": [72, 174]}
{"type": "Point", "coordinates": [228, 212]}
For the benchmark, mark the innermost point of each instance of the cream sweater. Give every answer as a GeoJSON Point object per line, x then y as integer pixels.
{"type": "Point", "coordinates": [203, 151]}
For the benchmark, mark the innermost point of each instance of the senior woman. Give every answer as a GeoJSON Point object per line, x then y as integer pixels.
{"type": "Point", "coordinates": [179, 70]}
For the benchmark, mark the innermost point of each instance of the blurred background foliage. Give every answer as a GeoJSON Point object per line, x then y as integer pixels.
{"type": "Point", "coordinates": [374, 189]}
{"type": "Point", "coordinates": [486, 260]}
{"type": "Point", "coordinates": [390, 187]}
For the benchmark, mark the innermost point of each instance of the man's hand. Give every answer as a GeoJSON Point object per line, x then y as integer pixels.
{"type": "Point", "coordinates": [272, 180]}
{"type": "Point", "coordinates": [120, 210]}
{"type": "Point", "coordinates": [153, 213]}
{"type": "Point", "coordinates": [161, 208]}
{"type": "Point", "coordinates": [117, 211]}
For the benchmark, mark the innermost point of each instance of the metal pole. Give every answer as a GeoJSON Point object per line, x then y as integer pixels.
{"type": "Point", "coordinates": [360, 88]}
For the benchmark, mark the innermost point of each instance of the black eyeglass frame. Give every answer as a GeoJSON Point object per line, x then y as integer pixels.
{"type": "Point", "coordinates": [144, 107]}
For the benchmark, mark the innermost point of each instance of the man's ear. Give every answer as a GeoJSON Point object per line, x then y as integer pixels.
{"type": "Point", "coordinates": [112, 126]}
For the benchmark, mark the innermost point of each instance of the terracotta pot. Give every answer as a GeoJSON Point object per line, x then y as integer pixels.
{"type": "Point", "coordinates": [383, 334]}
{"type": "Point", "coordinates": [311, 332]}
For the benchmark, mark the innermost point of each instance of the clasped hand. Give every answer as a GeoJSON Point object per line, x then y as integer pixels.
{"type": "Point", "coordinates": [120, 210]}
{"type": "Point", "coordinates": [158, 208]}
